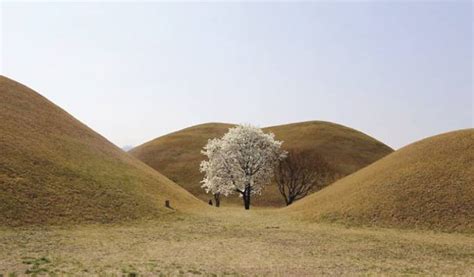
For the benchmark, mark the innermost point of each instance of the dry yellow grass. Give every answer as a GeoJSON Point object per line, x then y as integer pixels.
{"type": "Point", "coordinates": [54, 169]}
{"type": "Point", "coordinates": [346, 150]}
{"type": "Point", "coordinates": [428, 184]}
{"type": "Point", "coordinates": [60, 182]}
{"type": "Point", "coordinates": [178, 156]}
{"type": "Point", "coordinates": [233, 242]}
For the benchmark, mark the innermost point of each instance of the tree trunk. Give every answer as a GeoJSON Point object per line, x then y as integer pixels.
{"type": "Point", "coordinates": [291, 199]}
{"type": "Point", "coordinates": [217, 197]}
{"type": "Point", "coordinates": [246, 197]}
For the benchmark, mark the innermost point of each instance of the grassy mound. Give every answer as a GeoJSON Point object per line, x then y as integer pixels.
{"type": "Point", "coordinates": [428, 184]}
{"type": "Point", "coordinates": [345, 149]}
{"type": "Point", "coordinates": [54, 169]}
{"type": "Point", "coordinates": [178, 155]}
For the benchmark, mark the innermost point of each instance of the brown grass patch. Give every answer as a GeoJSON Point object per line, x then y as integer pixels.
{"type": "Point", "coordinates": [233, 242]}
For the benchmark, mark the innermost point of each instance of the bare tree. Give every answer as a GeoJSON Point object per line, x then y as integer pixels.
{"type": "Point", "coordinates": [300, 174]}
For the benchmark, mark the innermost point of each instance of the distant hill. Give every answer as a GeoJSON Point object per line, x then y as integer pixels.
{"type": "Point", "coordinates": [127, 148]}
{"type": "Point", "coordinates": [54, 169]}
{"type": "Point", "coordinates": [428, 184]}
{"type": "Point", "coordinates": [178, 155]}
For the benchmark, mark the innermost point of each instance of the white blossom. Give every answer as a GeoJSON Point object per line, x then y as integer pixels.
{"type": "Point", "coordinates": [243, 160]}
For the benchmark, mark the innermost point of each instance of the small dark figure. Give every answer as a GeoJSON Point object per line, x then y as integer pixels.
{"type": "Point", "coordinates": [210, 202]}
{"type": "Point", "coordinates": [167, 204]}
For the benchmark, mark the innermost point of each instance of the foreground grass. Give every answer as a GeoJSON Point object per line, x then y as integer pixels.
{"type": "Point", "coordinates": [233, 242]}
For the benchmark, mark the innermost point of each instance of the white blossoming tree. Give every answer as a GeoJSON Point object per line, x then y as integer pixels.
{"type": "Point", "coordinates": [242, 161]}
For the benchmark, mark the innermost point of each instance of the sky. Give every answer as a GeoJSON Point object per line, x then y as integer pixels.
{"type": "Point", "coordinates": [399, 71]}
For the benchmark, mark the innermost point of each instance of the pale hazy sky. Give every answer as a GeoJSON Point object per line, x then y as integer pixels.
{"type": "Point", "coordinates": [399, 71]}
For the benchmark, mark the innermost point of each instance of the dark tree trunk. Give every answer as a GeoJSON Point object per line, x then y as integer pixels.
{"type": "Point", "coordinates": [246, 197]}
{"type": "Point", "coordinates": [217, 198]}
{"type": "Point", "coordinates": [247, 202]}
{"type": "Point", "coordinates": [290, 200]}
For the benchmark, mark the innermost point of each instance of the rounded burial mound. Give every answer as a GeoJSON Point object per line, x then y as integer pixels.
{"type": "Point", "coordinates": [345, 150]}
{"type": "Point", "coordinates": [178, 155]}
{"type": "Point", "coordinates": [54, 169]}
{"type": "Point", "coordinates": [428, 184]}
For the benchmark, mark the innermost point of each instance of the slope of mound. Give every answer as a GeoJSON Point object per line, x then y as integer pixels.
{"type": "Point", "coordinates": [428, 184]}
{"type": "Point", "coordinates": [178, 155]}
{"type": "Point", "coordinates": [54, 169]}
{"type": "Point", "coordinates": [344, 149]}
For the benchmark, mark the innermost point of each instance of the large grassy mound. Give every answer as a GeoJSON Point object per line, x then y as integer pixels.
{"type": "Point", "coordinates": [344, 149]}
{"type": "Point", "coordinates": [54, 169]}
{"type": "Point", "coordinates": [178, 155]}
{"type": "Point", "coordinates": [428, 184]}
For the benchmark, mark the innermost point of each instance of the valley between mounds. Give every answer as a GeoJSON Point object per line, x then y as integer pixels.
{"type": "Point", "coordinates": [232, 242]}
{"type": "Point", "coordinates": [72, 203]}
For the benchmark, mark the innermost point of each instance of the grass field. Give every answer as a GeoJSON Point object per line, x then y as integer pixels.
{"type": "Point", "coordinates": [232, 242]}
{"type": "Point", "coordinates": [72, 203]}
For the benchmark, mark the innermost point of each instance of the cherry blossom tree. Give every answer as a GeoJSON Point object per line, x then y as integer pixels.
{"type": "Point", "coordinates": [242, 161]}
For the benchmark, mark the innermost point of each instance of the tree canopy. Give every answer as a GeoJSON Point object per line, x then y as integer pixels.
{"type": "Point", "coordinates": [242, 161]}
